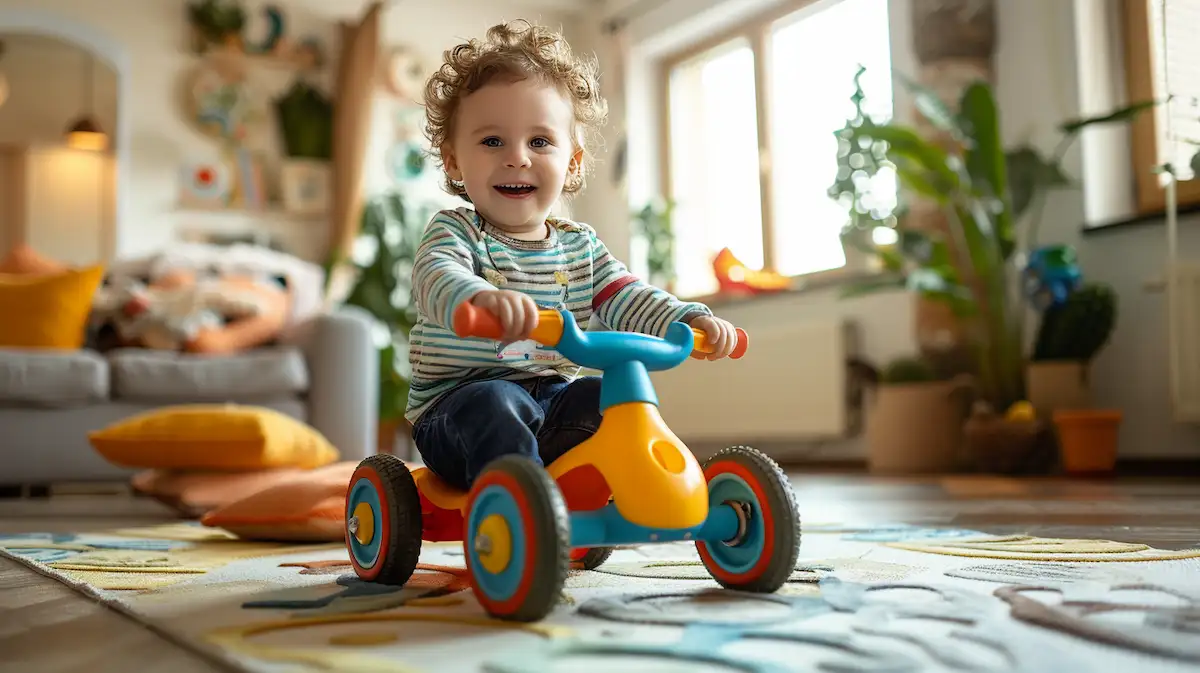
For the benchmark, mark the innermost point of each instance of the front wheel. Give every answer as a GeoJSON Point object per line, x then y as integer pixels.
{"type": "Point", "coordinates": [762, 556]}
{"type": "Point", "coordinates": [517, 540]}
{"type": "Point", "coordinates": [383, 520]}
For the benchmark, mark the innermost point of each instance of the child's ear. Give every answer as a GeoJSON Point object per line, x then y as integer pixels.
{"type": "Point", "coordinates": [575, 167]}
{"type": "Point", "coordinates": [451, 164]}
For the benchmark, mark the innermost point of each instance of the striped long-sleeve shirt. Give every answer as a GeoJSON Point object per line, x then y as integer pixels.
{"type": "Point", "coordinates": [461, 255]}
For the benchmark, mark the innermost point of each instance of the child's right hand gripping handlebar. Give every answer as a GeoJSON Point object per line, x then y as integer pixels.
{"type": "Point", "coordinates": [473, 321]}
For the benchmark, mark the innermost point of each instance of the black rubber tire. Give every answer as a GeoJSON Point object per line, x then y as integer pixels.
{"type": "Point", "coordinates": [595, 557]}
{"type": "Point", "coordinates": [402, 550]}
{"type": "Point", "coordinates": [781, 502]}
{"type": "Point", "coordinates": [551, 529]}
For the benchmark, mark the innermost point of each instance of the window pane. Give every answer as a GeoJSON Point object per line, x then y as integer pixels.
{"type": "Point", "coordinates": [1176, 57]}
{"type": "Point", "coordinates": [714, 165]}
{"type": "Point", "coordinates": [814, 57]}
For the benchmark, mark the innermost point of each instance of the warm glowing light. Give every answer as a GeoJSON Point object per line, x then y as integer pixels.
{"type": "Point", "coordinates": [86, 135]}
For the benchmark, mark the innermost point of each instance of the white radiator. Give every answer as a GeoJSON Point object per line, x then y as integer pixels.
{"type": "Point", "coordinates": [791, 385]}
{"type": "Point", "coordinates": [1183, 336]}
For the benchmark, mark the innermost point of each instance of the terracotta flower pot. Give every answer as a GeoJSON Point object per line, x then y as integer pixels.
{"type": "Point", "coordinates": [1088, 439]}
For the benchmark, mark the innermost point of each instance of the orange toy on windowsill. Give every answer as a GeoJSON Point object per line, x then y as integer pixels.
{"type": "Point", "coordinates": [735, 278]}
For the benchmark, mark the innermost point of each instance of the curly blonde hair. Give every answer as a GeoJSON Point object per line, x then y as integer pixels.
{"type": "Point", "coordinates": [515, 49]}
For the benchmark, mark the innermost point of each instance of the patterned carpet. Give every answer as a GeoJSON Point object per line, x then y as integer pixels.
{"type": "Point", "coordinates": [882, 599]}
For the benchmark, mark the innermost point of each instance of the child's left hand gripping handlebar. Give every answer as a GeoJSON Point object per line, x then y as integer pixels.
{"type": "Point", "coordinates": [473, 321]}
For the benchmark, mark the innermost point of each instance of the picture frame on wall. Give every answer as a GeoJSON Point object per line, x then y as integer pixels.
{"type": "Point", "coordinates": [305, 187]}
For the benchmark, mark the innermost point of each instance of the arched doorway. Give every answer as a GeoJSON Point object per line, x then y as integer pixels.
{"type": "Point", "coordinates": [107, 53]}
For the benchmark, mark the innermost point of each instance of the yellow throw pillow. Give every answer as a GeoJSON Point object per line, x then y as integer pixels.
{"type": "Point", "coordinates": [47, 310]}
{"type": "Point", "coordinates": [225, 437]}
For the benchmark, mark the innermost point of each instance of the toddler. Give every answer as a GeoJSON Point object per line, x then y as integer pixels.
{"type": "Point", "coordinates": [510, 119]}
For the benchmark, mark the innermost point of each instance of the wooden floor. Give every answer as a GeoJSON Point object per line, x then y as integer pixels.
{"type": "Point", "coordinates": [47, 627]}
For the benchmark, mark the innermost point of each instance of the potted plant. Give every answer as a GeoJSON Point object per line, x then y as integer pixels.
{"type": "Point", "coordinates": [383, 259]}
{"type": "Point", "coordinates": [1070, 335]}
{"type": "Point", "coordinates": [910, 388]}
{"type": "Point", "coordinates": [653, 224]}
{"type": "Point", "coordinates": [305, 118]}
{"type": "Point", "coordinates": [966, 252]}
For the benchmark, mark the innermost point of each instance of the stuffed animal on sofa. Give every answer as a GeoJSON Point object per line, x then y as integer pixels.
{"type": "Point", "coordinates": [183, 311]}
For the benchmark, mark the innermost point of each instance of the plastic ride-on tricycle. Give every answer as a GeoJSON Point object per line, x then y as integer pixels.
{"type": "Point", "coordinates": [631, 482]}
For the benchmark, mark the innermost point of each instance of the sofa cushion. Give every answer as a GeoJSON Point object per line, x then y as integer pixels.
{"type": "Point", "coordinates": [167, 376]}
{"type": "Point", "coordinates": [52, 378]}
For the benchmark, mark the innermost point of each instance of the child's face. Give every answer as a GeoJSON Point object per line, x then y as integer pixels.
{"type": "Point", "coordinates": [513, 148]}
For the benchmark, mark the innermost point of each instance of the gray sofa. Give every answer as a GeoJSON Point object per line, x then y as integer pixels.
{"type": "Point", "coordinates": [326, 373]}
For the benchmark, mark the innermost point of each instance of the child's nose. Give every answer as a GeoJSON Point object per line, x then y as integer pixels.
{"type": "Point", "coordinates": [518, 158]}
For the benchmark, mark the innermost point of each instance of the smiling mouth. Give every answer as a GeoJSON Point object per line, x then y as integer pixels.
{"type": "Point", "coordinates": [515, 190]}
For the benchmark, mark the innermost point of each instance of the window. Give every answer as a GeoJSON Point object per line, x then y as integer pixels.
{"type": "Point", "coordinates": [750, 148]}
{"type": "Point", "coordinates": [1162, 59]}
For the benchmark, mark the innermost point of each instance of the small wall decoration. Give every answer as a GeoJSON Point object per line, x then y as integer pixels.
{"type": "Point", "coordinates": [306, 188]}
{"type": "Point", "coordinates": [220, 103]}
{"type": "Point", "coordinates": [402, 73]}
{"type": "Point", "coordinates": [234, 181]}
{"type": "Point", "coordinates": [205, 184]}
{"type": "Point", "coordinates": [407, 160]}
{"type": "Point", "coordinates": [223, 24]}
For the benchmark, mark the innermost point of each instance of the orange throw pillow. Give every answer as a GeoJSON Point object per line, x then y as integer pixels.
{"type": "Point", "coordinates": [310, 507]}
{"type": "Point", "coordinates": [193, 494]}
{"type": "Point", "coordinates": [23, 260]}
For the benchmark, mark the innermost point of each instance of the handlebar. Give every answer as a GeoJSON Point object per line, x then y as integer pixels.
{"type": "Point", "coordinates": [473, 321]}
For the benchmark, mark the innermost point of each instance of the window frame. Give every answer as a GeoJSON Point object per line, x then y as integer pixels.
{"type": "Point", "coordinates": [1150, 196]}
{"type": "Point", "coordinates": [756, 30]}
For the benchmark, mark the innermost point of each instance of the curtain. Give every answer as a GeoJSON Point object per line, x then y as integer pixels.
{"type": "Point", "coordinates": [351, 129]}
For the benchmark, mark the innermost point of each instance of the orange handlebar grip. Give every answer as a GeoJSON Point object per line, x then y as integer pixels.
{"type": "Point", "coordinates": [473, 321]}
{"type": "Point", "coordinates": [743, 342]}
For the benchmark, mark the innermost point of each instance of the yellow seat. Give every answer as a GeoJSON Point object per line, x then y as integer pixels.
{"type": "Point", "coordinates": [439, 492]}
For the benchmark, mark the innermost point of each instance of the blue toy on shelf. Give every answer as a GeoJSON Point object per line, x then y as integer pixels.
{"type": "Point", "coordinates": [1051, 275]}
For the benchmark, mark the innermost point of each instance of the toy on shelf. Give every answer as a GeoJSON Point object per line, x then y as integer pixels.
{"type": "Point", "coordinates": [632, 482]}
{"type": "Point", "coordinates": [735, 277]}
{"type": "Point", "coordinates": [1051, 274]}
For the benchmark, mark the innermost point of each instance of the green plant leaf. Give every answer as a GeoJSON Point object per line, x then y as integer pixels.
{"type": "Point", "coordinates": [985, 157]}
{"type": "Point", "coordinates": [1029, 173]}
{"type": "Point", "coordinates": [1195, 163]}
{"type": "Point", "coordinates": [907, 145]}
{"type": "Point", "coordinates": [931, 106]}
{"type": "Point", "coordinates": [1122, 114]}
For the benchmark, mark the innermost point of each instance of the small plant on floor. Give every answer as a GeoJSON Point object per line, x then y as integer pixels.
{"type": "Point", "coordinates": [907, 370]}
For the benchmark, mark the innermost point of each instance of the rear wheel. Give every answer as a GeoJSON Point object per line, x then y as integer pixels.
{"type": "Point", "coordinates": [762, 555]}
{"type": "Point", "coordinates": [383, 520]}
{"type": "Point", "coordinates": [592, 558]}
{"type": "Point", "coordinates": [517, 540]}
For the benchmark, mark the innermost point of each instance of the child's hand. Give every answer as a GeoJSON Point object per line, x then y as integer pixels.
{"type": "Point", "coordinates": [517, 313]}
{"type": "Point", "coordinates": [721, 334]}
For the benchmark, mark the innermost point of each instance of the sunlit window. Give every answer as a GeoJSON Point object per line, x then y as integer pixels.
{"type": "Point", "coordinates": [718, 154]}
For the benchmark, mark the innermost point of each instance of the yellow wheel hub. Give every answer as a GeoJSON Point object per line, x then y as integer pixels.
{"type": "Point", "coordinates": [493, 543]}
{"type": "Point", "coordinates": [366, 523]}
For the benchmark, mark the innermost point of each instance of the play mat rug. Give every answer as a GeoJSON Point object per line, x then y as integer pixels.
{"type": "Point", "coordinates": [880, 599]}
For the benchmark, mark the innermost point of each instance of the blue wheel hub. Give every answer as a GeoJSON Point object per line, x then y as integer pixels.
{"type": "Point", "coordinates": [496, 500]}
{"type": "Point", "coordinates": [742, 556]}
{"type": "Point", "coordinates": [364, 492]}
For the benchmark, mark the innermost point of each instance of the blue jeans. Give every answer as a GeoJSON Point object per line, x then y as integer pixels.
{"type": "Point", "coordinates": [473, 425]}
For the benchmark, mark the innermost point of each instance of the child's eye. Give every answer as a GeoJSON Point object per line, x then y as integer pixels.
{"type": "Point", "coordinates": [491, 141]}
{"type": "Point", "coordinates": [539, 142]}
